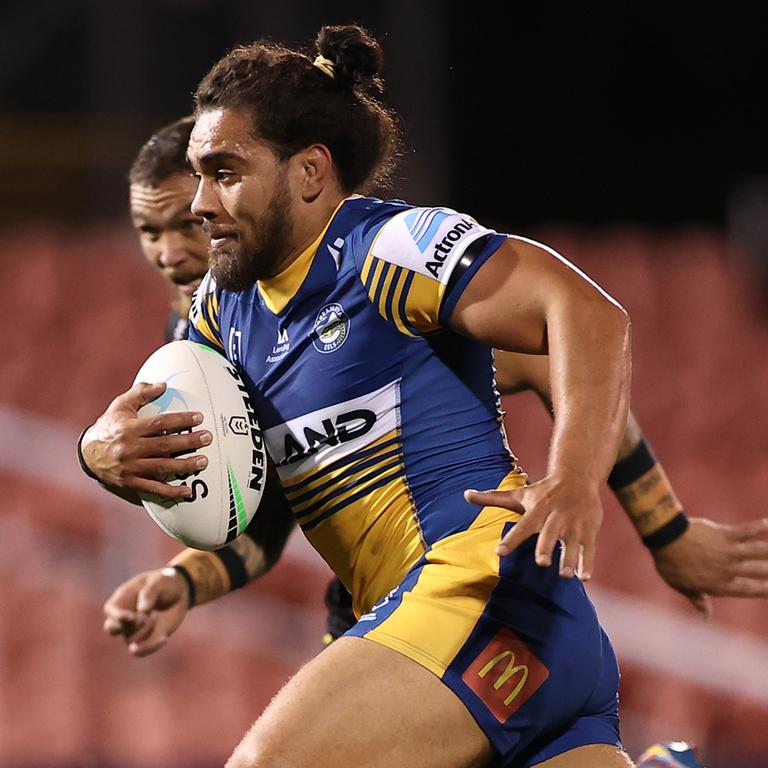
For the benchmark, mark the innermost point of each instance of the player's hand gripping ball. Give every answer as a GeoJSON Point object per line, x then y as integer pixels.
{"type": "Point", "coordinates": [226, 494]}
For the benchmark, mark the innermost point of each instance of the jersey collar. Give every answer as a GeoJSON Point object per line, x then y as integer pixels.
{"type": "Point", "coordinates": [277, 291]}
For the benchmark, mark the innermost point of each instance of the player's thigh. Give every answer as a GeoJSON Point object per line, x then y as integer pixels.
{"type": "Point", "coordinates": [361, 703]}
{"type": "Point", "coordinates": [592, 756]}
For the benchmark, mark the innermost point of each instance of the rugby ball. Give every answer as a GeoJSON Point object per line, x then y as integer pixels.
{"type": "Point", "coordinates": [226, 494]}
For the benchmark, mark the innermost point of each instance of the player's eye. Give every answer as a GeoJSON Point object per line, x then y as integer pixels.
{"type": "Point", "coordinates": [151, 235]}
{"type": "Point", "coordinates": [224, 177]}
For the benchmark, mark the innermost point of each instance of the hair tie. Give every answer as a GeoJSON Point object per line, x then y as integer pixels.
{"type": "Point", "coordinates": [325, 65]}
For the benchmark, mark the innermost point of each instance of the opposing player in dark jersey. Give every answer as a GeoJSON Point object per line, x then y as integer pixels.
{"type": "Point", "coordinates": [332, 269]}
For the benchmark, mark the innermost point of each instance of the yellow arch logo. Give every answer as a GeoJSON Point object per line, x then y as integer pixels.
{"type": "Point", "coordinates": [511, 670]}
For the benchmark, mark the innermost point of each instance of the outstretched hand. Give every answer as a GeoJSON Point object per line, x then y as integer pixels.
{"type": "Point", "coordinates": [146, 610]}
{"type": "Point", "coordinates": [561, 508]}
{"type": "Point", "coordinates": [137, 453]}
{"type": "Point", "coordinates": [715, 560]}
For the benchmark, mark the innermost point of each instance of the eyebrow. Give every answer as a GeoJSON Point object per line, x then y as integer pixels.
{"type": "Point", "coordinates": [216, 158]}
{"type": "Point", "coordinates": [182, 210]}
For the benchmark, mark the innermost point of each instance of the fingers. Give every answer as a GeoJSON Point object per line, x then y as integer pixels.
{"type": "Point", "coordinates": [588, 559]}
{"type": "Point", "coordinates": [756, 569]}
{"type": "Point", "coordinates": [169, 422]}
{"type": "Point", "coordinates": [122, 622]}
{"type": "Point", "coordinates": [521, 531]}
{"type": "Point", "coordinates": [751, 549]}
{"type": "Point", "coordinates": [548, 537]}
{"type": "Point", "coordinates": [746, 531]}
{"type": "Point", "coordinates": [503, 499]}
{"type": "Point", "coordinates": [744, 586]}
{"type": "Point", "coordinates": [162, 469]}
{"type": "Point", "coordinates": [146, 647]}
{"type": "Point", "coordinates": [170, 445]}
{"type": "Point", "coordinates": [139, 394]}
{"type": "Point", "coordinates": [156, 488]}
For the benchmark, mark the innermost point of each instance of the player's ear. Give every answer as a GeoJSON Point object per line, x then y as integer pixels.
{"type": "Point", "coordinates": [315, 167]}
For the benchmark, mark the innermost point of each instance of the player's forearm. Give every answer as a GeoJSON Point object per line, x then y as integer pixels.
{"type": "Point", "coordinates": [645, 493]}
{"type": "Point", "coordinates": [589, 351]}
{"type": "Point", "coordinates": [211, 575]}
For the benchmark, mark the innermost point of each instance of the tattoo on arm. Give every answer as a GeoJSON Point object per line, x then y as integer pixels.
{"type": "Point", "coordinates": [253, 556]}
{"type": "Point", "coordinates": [650, 501]}
{"type": "Point", "coordinates": [207, 572]}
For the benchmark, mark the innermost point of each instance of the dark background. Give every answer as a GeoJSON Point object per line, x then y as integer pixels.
{"type": "Point", "coordinates": [632, 141]}
{"type": "Point", "coordinates": [520, 115]}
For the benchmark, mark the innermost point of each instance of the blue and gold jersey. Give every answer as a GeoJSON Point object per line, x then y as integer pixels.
{"type": "Point", "coordinates": [376, 416]}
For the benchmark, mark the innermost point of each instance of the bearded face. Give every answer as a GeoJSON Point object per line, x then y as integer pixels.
{"type": "Point", "coordinates": [252, 248]}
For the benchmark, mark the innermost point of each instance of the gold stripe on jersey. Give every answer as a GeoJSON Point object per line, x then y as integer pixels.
{"type": "Point", "coordinates": [203, 327]}
{"type": "Point", "coordinates": [358, 488]}
{"type": "Point", "coordinates": [439, 613]}
{"type": "Point", "coordinates": [394, 304]}
{"type": "Point", "coordinates": [213, 306]}
{"type": "Point", "coordinates": [277, 291]}
{"type": "Point", "coordinates": [422, 303]}
{"type": "Point", "coordinates": [335, 486]}
{"type": "Point", "coordinates": [382, 541]}
{"type": "Point", "coordinates": [423, 295]}
{"type": "Point", "coordinates": [386, 283]}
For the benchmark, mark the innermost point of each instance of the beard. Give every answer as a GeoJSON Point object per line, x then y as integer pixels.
{"type": "Point", "coordinates": [238, 266]}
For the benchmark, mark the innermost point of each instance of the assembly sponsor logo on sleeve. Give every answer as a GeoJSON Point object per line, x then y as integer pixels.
{"type": "Point", "coordinates": [331, 328]}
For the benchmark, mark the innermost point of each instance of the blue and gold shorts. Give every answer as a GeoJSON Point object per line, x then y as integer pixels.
{"type": "Point", "coordinates": [521, 647]}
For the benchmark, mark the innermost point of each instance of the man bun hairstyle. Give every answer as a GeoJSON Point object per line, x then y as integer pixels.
{"type": "Point", "coordinates": [163, 155]}
{"type": "Point", "coordinates": [296, 100]}
{"type": "Point", "coordinates": [357, 57]}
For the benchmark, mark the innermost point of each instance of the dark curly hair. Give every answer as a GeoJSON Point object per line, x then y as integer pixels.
{"type": "Point", "coordinates": [163, 155]}
{"type": "Point", "coordinates": [294, 103]}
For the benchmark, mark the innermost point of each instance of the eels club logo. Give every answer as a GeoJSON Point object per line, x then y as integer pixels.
{"type": "Point", "coordinates": [331, 328]}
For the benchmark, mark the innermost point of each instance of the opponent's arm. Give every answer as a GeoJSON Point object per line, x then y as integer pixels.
{"type": "Point", "coordinates": [695, 556]}
{"type": "Point", "coordinates": [148, 608]}
{"type": "Point", "coordinates": [526, 298]}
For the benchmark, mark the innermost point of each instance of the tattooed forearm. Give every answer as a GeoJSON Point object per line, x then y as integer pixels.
{"type": "Point", "coordinates": [650, 501]}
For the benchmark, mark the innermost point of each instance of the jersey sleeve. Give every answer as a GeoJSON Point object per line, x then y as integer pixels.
{"type": "Point", "coordinates": [204, 315]}
{"type": "Point", "coordinates": [419, 264]}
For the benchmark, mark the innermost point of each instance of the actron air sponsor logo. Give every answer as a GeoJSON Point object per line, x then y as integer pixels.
{"type": "Point", "coordinates": [505, 674]}
{"type": "Point", "coordinates": [331, 433]}
{"type": "Point", "coordinates": [442, 250]}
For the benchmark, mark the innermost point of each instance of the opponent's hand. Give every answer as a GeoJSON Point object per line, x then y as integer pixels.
{"type": "Point", "coordinates": [125, 451]}
{"type": "Point", "coordinates": [147, 609]}
{"type": "Point", "coordinates": [557, 508]}
{"type": "Point", "coordinates": [715, 559]}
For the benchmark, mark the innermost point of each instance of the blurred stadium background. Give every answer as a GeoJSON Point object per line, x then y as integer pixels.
{"type": "Point", "coordinates": [632, 142]}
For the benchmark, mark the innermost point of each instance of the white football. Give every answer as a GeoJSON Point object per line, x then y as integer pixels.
{"type": "Point", "coordinates": [226, 494]}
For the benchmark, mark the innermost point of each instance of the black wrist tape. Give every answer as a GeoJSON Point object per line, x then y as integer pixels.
{"type": "Point", "coordinates": [238, 576]}
{"type": "Point", "coordinates": [668, 532]}
{"type": "Point", "coordinates": [184, 573]}
{"type": "Point", "coordinates": [81, 458]}
{"type": "Point", "coordinates": [633, 467]}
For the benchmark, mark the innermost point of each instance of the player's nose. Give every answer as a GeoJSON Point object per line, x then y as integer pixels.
{"type": "Point", "coordinates": [172, 251]}
{"type": "Point", "coordinates": [205, 203]}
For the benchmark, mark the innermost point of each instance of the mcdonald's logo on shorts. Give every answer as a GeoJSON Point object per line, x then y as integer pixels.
{"type": "Point", "coordinates": [505, 674]}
